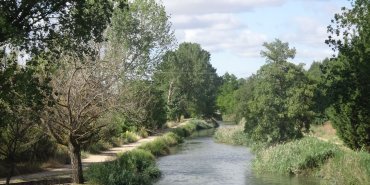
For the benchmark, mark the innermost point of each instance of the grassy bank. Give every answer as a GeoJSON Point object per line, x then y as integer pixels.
{"type": "Point", "coordinates": [138, 167]}
{"type": "Point", "coordinates": [308, 156]}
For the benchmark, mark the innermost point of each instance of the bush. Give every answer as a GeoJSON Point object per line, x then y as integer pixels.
{"type": "Point", "coordinates": [347, 167]}
{"type": "Point", "coordinates": [129, 137]}
{"type": "Point", "coordinates": [235, 135]}
{"type": "Point", "coordinates": [295, 157]}
{"type": "Point", "coordinates": [136, 167]}
{"type": "Point", "coordinates": [99, 146]}
{"type": "Point", "coordinates": [160, 146]}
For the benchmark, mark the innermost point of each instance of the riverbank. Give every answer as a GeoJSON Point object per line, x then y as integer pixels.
{"type": "Point", "coordinates": [308, 156]}
{"type": "Point", "coordinates": [62, 174]}
{"type": "Point", "coordinates": [138, 166]}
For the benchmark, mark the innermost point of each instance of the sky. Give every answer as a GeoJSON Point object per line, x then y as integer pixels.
{"type": "Point", "coordinates": [233, 31]}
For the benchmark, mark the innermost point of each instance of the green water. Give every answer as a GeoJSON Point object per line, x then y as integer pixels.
{"type": "Point", "coordinates": [201, 161]}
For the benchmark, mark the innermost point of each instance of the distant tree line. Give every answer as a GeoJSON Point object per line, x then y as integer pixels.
{"type": "Point", "coordinates": [74, 73]}
{"type": "Point", "coordinates": [281, 100]}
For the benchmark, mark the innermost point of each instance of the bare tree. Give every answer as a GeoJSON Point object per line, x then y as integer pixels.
{"type": "Point", "coordinates": [83, 91]}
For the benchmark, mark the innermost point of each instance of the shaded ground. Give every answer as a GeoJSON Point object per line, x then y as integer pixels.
{"type": "Point", "coordinates": [65, 171]}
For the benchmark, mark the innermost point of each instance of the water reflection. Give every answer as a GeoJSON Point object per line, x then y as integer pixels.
{"type": "Point", "coordinates": [201, 161]}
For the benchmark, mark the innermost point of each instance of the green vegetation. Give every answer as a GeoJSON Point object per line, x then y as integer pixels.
{"type": "Point", "coordinates": [295, 157]}
{"type": "Point", "coordinates": [160, 146]}
{"type": "Point", "coordinates": [225, 98]}
{"type": "Point", "coordinates": [189, 82]}
{"type": "Point", "coordinates": [346, 76]}
{"type": "Point", "coordinates": [233, 135]}
{"type": "Point", "coordinates": [311, 156]}
{"type": "Point", "coordinates": [138, 166]}
{"type": "Point", "coordinates": [129, 137]}
{"type": "Point", "coordinates": [135, 167]}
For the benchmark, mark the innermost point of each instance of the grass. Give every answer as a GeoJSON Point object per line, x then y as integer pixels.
{"type": "Point", "coordinates": [296, 157]}
{"type": "Point", "coordinates": [160, 146]}
{"type": "Point", "coordinates": [129, 137]}
{"type": "Point", "coordinates": [136, 167]}
{"type": "Point", "coordinates": [347, 167]}
{"type": "Point", "coordinates": [234, 135]}
{"type": "Point", "coordinates": [325, 132]}
{"type": "Point", "coordinates": [314, 157]}
{"type": "Point", "coordinates": [321, 154]}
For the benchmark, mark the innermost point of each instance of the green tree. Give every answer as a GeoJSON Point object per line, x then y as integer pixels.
{"type": "Point", "coordinates": [279, 109]}
{"type": "Point", "coordinates": [21, 104]}
{"type": "Point", "coordinates": [189, 81]}
{"type": "Point", "coordinates": [34, 25]}
{"type": "Point", "coordinates": [86, 88]}
{"type": "Point", "coordinates": [277, 51]}
{"type": "Point", "coordinates": [347, 76]}
{"type": "Point", "coordinates": [316, 75]}
{"type": "Point", "coordinates": [226, 101]}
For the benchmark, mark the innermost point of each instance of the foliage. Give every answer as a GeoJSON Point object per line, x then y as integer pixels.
{"type": "Point", "coordinates": [347, 167]}
{"type": "Point", "coordinates": [136, 167]}
{"type": "Point", "coordinates": [234, 135]}
{"type": "Point", "coordinates": [160, 146]}
{"type": "Point", "coordinates": [189, 82]}
{"type": "Point", "coordinates": [145, 106]}
{"type": "Point", "coordinates": [346, 76]}
{"type": "Point", "coordinates": [35, 25]}
{"type": "Point", "coordinates": [277, 51]}
{"type": "Point", "coordinates": [226, 101]}
{"type": "Point", "coordinates": [316, 76]}
{"type": "Point", "coordinates": [295, 157]}
{"type": "Point", "coordinates": [279, 108]}
{"type": "Point", "coordinates": [21, 104]}
{"type": "Point", "coordinates": [129, 137]}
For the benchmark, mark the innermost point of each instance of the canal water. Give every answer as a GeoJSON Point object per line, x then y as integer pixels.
{"type": "Point", "coordinates": [201, 161]}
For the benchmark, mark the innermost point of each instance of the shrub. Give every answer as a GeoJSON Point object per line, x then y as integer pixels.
{"type": "Point", "coordinates": [160, 146]}
{"type": "Point", "coordinates": [129, 137]}
{"type": "Point", "coordinates": [347, 167]}
{"type": "Point", "coordinates": [99, 146]}
{"type": "Point", "coordinates": [295, 157]}
{"type": "Point", "coordinates": [136, 167]}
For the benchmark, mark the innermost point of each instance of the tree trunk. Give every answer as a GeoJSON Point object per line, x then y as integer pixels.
{"type": "Point", "coordinates": [75, 154]}
{"type": "Point", "coordinates": [10, 172]}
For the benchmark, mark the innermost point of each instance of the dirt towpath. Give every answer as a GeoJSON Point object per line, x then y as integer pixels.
{"type": "Point", "coordinates": [65, 171]}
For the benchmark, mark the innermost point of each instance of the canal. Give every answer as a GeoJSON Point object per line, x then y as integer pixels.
{"type": "Point", "coordinates": [201, 161]}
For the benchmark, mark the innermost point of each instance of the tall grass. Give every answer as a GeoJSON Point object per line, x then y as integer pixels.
{"type": "Point", "coordinates": [129, 137]}
{"type": "Point", "coordinates": [296, 157]}
{"type": "Point", "coordinates": [313, 157]}
{"type": "Point", "coordinates": [347, 167]}
{"type": "Point", "coordinates": [235, 135]}
{"type": "Point", "coordinates": [136, 167]}
{"type": "Point", "coordinates": [161, 145]}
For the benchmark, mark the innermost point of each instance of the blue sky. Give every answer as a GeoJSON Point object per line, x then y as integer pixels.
{"type": "Point", "coordinates": [233, 31]}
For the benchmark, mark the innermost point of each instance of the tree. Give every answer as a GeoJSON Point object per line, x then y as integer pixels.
{"type": "Point", "coordinates": [346, 76]}
{"type": "Point", "coordinates": [35, 25]}
{"type": "Point", "coordinates": [86, 87]}
{"type": "Point", "coordinates": [226, 94]}
{"type": "Point", "coordinates": [144, 105]}
{"type": "Point", "coordinates": [189, 81]}
{"type": "Point", "coordinates": [279, 109]}
{"type": "Point", "coordinates": [277, 51]}
{"type": "Point", "coordinates": [21, 104]}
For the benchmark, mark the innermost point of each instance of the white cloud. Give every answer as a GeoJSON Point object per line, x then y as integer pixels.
{"type": "Point", "coordinates": [219, 32]}
{"type": "Point", "coordinates": [216, 6]}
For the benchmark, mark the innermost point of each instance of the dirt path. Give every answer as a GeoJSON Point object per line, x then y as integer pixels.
{"type": "Point", "coordinates": [64, 172]}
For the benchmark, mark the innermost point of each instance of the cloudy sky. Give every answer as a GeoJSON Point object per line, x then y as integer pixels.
{"type": "Point", "coordinates": [233, 30]}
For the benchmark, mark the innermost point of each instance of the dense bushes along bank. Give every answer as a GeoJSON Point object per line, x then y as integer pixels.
{"type": "Point", "coordinates": [137, 167]}
{"type": "Point", "coordinates": [308, 156]}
